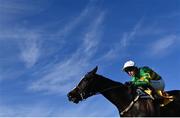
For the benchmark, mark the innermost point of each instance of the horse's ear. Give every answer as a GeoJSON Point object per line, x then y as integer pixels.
{"type": "Point", "coordinates": [95, 69]}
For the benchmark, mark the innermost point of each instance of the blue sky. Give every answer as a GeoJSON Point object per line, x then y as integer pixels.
{"type": "Point", "coordinates": [46, 46]}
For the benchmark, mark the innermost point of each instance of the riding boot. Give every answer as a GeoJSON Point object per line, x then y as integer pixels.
{"type": "Point", "coordinates": [164, 94]}
{"type": "Point", "coordinates": [158, 97]}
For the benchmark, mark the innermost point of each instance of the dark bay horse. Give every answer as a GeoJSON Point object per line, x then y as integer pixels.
{"type": "Point", "coordinates": [118, 94]}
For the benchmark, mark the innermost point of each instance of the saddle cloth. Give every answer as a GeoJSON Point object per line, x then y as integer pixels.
{"type": "Point", "coordinates": [164, 96]}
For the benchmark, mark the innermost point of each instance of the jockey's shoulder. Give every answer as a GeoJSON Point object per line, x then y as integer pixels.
{"type": "Point", "coordinates": [145, 68]}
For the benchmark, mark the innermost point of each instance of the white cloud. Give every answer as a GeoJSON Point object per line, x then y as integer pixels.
{"type": "Point", "coordinates": [92, 38]}
{"type": "Point", "coordinates": [28, 42]}
{"type": "Point", "coordinates": [25, 42]}
{"type": "Point", "coordinates": [57, 80]}
{"type": "Point", "coordinates": [14, 9]}
{"type": "Point", "coordinates": [30, 49]}
{"type": "Point", "coordinates": [40, 109]}
{"type": "Point", "coordinates": [47, 109]}
{"type": "Point", "coordinates": [129, 37]}
{"type": "Point", "coordinates": [87, 108]}
{"type": "Point", "coordinates": [113, 53]}
{"type": "Point", "coordinates": [77, 20]}
{"type": "Point", "coordinates": [163, 45]}
{"type": "Point", "coordinates": [61, 77]}
{"type": "Point", "coordinates": [120, 46]}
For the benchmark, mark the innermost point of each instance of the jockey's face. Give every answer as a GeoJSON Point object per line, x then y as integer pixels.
{"type": "Point", "coordinates": [131, 71]}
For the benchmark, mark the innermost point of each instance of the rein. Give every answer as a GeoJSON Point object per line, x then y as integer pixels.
{"type": "Point", "coordinates": [132, 102]}
{"type": "Point", "coordinates": [104, 90]}
{"type": "Point", "coordinates": [129, 106]}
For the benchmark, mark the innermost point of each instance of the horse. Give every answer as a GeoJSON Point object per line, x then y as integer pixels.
{"type": "Point", "coordinates": [118, 94]}
{"type": "Point", "coordinates": [173, 108]}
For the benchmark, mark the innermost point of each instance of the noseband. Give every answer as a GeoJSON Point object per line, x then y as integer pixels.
{"type": "Point", "coordinates": [83, 93]}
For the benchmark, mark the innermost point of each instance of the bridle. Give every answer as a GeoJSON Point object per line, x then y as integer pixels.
{"type": "Point", "coordinates": [83, 94]}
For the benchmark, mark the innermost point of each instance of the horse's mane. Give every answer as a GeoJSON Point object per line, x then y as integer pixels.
{"type": "Point", "coordinates": [105, 79]}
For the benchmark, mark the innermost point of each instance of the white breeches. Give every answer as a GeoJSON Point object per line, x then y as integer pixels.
{"type": "Point", "coordinates": [158, 84]}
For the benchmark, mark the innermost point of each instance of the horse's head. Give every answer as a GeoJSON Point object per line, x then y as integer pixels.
{"type": "Point", "coordinates": [84, 89]}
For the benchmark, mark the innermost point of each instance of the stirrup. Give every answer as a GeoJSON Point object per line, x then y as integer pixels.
{"type": "Point", "coordinates": [165, 102]}
{"type": "Point", "coordinates": [165, 95]}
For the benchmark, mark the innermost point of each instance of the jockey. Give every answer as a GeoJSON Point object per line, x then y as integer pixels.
{"type": "Point", "coordinates": [144, 77]}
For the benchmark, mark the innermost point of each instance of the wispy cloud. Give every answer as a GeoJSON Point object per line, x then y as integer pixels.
{"type": "Point", "coordinates": [113, 53]}
{"type": "Point", "coordinates": [40, 109]}
{"type": "Point", "coordinates": [30, 49]}
{"type": "Point", "coordinates": [27, 43]}
{"type": "Point", "coordinates": [120, 46]}
{"type": "Point", "coordinates": [163, 45]}
{"type": "Point", "coordinates": [92, 37]}
{"type": "Point", "coordinates": [88, 108]}
{"type": "Point", "coordinates": [128, 37]}
{"type": "Point", "coordinates": [11, 10]}
{"type": "Point", "coordinates": [62, 76]}
{"type": "Point", "coordinates": [75, 21]}
{"type": "Point", "coordinates": [46, 109]}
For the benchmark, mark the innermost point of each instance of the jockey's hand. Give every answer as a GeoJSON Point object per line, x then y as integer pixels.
{"type": "Point", "coordinates": [146, 86]}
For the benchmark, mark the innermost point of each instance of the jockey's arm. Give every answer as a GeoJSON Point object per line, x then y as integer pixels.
{"type": "Point", "coordinates": [142, 81]}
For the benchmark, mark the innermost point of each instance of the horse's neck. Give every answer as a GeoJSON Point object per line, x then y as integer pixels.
{"type": "Point", "coordinates": [115, 92]}
{"type": "Point", "coordinates": [118, 94]}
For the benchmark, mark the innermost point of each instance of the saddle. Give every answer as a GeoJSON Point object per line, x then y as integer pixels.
{"type": "Point", "coordinates": [163, 97]}
{"type": "Point", "coordinates": [148, 92]}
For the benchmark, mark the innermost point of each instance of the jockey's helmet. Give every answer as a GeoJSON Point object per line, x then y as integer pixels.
{"type": "Point", "coordinates": [129, 64]}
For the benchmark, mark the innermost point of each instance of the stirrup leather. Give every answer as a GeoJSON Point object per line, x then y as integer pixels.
{"type": "Point", "coordinates": [164, 94]}
{"type": "Point", "coordinates": [166, 98]}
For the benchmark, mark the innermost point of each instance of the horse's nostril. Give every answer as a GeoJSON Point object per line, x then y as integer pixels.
{"type": "Point", "coordinates": [69, 97]}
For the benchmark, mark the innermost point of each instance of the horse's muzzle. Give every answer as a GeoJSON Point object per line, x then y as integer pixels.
{"type": "Point", "coordinates": [72, 99]}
